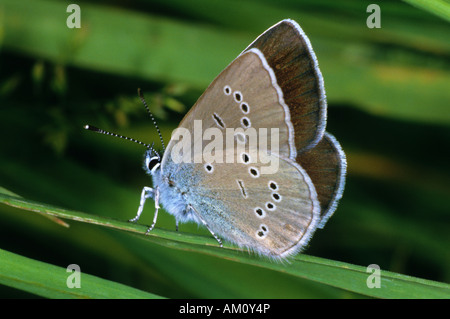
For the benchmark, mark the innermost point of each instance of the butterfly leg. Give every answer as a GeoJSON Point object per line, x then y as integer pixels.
{"type": "Point", "coordinates": [155, 217]}
{"type": "Point", "coordinates": [206, 225]}
{"type": "Point", "coordinates": [148, 192]}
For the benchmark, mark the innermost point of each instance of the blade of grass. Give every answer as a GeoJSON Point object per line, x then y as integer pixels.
{"type": "Point", "coordinates": [392, 60]}
{"type": "Point", "coordinates": [50, 281]}
{"type": "Point", "coordinates": [52, 218]}
{"type": "Point", "coordinates": [338, 274]}
{"type": "Point", "coordinates": [440, 8]}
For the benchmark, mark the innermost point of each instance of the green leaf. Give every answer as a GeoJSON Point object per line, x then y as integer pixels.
{"type": "Point", "coordinates": [50, 281]}
{"type": "Point", "coordinates": [438, 7]}
{"type": "Point", "coordinates": [408, 54]}
{"type": "Point", "coordinates": [342, 275]}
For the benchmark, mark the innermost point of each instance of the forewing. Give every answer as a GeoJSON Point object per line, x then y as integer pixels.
{"type": "Point", "coordinates": [245, 95]}
{"type": "Point", "coordinates": [289, 53]}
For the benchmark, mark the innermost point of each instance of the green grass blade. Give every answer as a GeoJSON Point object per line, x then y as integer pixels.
{"type": "Point", "coordinates": [50, 281]}
{"type": "Point", "coordinates": [337, 274]}
{"type": "Point", "coordinates": [440, 8]}
{"type": "Point", "coordinates": [168, 50]}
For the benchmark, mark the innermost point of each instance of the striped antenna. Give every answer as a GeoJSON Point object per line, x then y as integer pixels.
{"type": "Point", "coordinates": [98, 130]}
{"type": "Point", "coordinates": [141, 96]}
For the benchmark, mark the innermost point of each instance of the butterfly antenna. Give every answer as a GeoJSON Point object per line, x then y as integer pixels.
{"type": "Point", "coordinates": [141, 96]}
{"type": "Point", "coordinates": [98, 130]}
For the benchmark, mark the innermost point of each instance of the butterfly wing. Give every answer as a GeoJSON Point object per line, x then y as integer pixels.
{"type": "Point", "coordinates": [273, 212]}
{"type": "Point", "coordinates": [245, 95]}
{"type": "Point", "coordinates": [326, 166]}
{"type": "Point", "coordinates": [290, 55]}
{"type": "Point", "coordinates": [274, 84]}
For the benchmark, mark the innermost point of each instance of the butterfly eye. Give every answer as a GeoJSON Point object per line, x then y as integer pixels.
{"type": "Point", "coordinates": [153, 163]}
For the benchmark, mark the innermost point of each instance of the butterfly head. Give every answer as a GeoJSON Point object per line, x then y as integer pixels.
{"type": "Point", "coordinates": [152, 161]}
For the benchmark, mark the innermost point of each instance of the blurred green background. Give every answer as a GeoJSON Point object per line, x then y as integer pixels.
{"type": "Point", "coordinates": [388, 95]}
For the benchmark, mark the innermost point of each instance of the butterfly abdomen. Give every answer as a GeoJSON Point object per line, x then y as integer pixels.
{"type": "Point", "coordinates": [172, 198]}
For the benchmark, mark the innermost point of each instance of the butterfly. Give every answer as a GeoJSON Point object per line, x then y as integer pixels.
{"type": "Point", "coordinates": [274, 85]}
